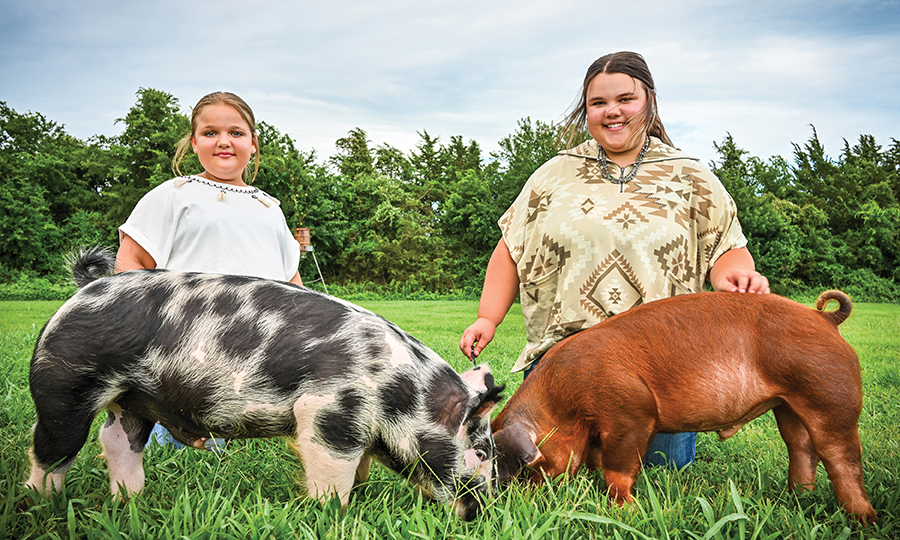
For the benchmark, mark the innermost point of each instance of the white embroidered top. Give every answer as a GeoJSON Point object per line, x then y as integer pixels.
{"type": "Point", "coordinates": [186, 224]}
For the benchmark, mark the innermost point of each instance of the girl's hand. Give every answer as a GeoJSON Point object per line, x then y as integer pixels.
{"type": "Point", "coordinates": [738, 280]}
{"type": "Point", "coordinates": [735, 271]}
{"type": "Point", "coordinates": [476, 337]}
{"type": "Point", "coordinates": [501, 286]}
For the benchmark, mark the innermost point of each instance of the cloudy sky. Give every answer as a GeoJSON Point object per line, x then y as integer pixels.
{"type": "Point", "coordinates": [764, 71]}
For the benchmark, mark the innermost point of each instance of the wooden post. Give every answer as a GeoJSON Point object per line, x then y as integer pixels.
{"type": "Point", "coordinates": [301, 234]}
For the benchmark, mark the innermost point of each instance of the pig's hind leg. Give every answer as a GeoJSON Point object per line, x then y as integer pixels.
{"type": "Point", "coordinates": [801, 452]}
{"type": "Point", "coordinates": [63, 424]}
{"type": "Point", "coordinates": [122, 438]}
{"type": "Point", "coordinates": [52, 454]}
{"type": "Point", "coordinates": [832, 430]}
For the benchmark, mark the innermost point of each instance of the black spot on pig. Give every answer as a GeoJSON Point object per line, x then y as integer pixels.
{"type": "Point", "coordinates": [240, 339]}
{"type": "Point", "coordinates": [226, 304]}
{"type": "Point", "coordinates": [438, 457]}
{"type": "Point", "coordinates": [290, 360]}
{"type": "Point", "coordinates": [446, 400]}
{"type": "Point", "coordinates": [399, 397]}
{"type": "Point", "coordinates": [337, 425]}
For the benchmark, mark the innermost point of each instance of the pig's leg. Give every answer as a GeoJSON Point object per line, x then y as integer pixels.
{"type": "Point", "coordinates": [621, 454]}
{"type": "Point", "coordinates": [362, 471]}
{"type": "Point", "coordinates": [45, 478]}
{"type": "Point", "coordinates": [326, 474]}
{"type": "Point", "coordinates": [60, 432]}
{"type": "Point", "coordinates": [801, 452]}
{"type": "Point", "coordinates": [594, 458]}
{"type": "Point", "coordinates": [122, 438]}
{"type": "Point", "coordinates": [841, 452]}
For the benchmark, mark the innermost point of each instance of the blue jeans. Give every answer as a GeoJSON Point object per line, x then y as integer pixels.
{"type": "Point", "coordinates": [679, 450]}
{"type": "Point", "coordinates": [673, 450]}
{"type": "Point", "coordinates": [163, 437]}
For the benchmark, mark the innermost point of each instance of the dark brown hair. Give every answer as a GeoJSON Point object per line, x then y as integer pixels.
{"type": "Point", "coordinates": [225, 98]}
{"type": "Point", "coordinates": [628, 63]}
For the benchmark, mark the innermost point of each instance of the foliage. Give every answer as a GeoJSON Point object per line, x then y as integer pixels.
{"type": "Point", "coordinates": [480, 197]}
{"type": "Point", "coordinates": [820, 223]}
{"type": "Point", "coordinates": [426, 220]}
{"type": "Point", "coordinates": [41, 185]}
{"type": "Point", "coordinates": [141, 156]}
{"type": "Point", "coordinates": [27, 288]}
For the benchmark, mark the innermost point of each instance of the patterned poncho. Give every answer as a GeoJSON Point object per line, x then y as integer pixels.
{"type": "Point", "coordinates": [587, 248]}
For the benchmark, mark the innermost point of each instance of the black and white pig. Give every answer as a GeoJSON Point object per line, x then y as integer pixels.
{"type": "Point", "coordinates": [238, 357]}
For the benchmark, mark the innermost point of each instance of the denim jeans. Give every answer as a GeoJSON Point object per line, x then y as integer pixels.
{"type": "Point", "coordinates": [673, 450]}
{"type": "Point", "coordinates": [163, 437]}
{"type": "Point", "coordinates": [679, 450]}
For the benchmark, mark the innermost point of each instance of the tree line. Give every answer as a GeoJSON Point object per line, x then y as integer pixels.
{"type": "Point", "coordinates": [426, 219]}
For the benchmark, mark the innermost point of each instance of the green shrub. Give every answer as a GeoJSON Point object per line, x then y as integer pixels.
{"type": "Point", "coordinates": [31, 288]}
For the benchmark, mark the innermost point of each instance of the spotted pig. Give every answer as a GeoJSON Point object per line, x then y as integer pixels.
{"type": "Point", "coordinates": [239, 357]}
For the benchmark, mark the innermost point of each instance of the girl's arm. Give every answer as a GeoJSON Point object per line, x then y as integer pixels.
{"type": "Point", "coordinates": [501, 286]}
{"type": "Point", "coordinates": [131, 256]}
{"type": "Point", "coordinates": [735, 271]}
{"type": "Point", "coordinates": [296, 280]}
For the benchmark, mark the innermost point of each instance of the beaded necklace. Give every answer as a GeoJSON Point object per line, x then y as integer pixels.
{"type": "Point", "coordinates": [254, 192]}
{"type": "Point", "coordinates": [623, 178]}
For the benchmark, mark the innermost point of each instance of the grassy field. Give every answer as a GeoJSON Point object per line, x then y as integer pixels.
{"type": "Point", "coordinates": [736, 489]}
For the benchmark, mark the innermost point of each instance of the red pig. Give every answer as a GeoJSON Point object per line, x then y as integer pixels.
{"type": "Point", "coordinates": [697, 362]}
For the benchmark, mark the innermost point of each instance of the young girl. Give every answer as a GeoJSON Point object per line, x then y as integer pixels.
{"type": "Point", "coordinates": [212, 221]}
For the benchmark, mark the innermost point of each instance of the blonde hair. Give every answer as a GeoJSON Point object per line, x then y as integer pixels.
{"type": "Point", "coordinates": [628, 63]}
{"type": "Point", "coordinates": [225, 98]}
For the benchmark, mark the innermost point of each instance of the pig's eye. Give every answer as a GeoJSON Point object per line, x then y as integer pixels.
{"type": "Point", "coordinates": [480, 454]}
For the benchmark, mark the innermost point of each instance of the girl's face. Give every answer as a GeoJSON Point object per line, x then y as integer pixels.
{"type": "Point", "coordinates": [223, 142]}
{"type": "Point", "coordinates": [615, 115]}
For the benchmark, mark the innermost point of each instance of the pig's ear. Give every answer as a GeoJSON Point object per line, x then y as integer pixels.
{"type": "Point", "coordinates": [480, 379]}
{"type": "Point", "coordinates": [515, 449]}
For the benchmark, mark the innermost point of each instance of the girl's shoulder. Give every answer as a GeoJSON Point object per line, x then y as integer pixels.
{"type": "Point", "coordinates": [562, 167]}
{"type": "Point", "coordinates": [586, 150]}
{"type": "Point", "coordinates": [677, 161]}
{"type": "Point", "coordinates": [161, 192]}
{"type": "Point", "coordinates": [169, 185]}
{"type": "Point", "coordinates": [660, 151]}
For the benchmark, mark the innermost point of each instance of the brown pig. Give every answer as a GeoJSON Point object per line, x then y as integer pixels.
{"type": "Point", "coordinates": [697, 362]}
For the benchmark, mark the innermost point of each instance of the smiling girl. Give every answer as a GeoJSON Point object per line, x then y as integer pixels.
{"type": "Point", "coordinates": [617, 221]}
{"type": "Point", "coordinates": [213, 221]}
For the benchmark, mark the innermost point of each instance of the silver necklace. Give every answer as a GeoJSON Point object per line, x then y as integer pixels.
{"type": "Point", "coordinates": [623, 178]}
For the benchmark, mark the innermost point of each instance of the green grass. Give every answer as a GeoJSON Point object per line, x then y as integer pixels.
{"type": "Point", "coordinates": [736, 489]}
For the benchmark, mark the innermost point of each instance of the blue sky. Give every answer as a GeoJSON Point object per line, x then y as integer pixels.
{"type": "Point", "coordinates": [764, 71]}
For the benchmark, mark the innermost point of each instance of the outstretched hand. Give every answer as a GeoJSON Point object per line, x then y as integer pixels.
{"type": "Point", "coordinates": [476, 337]}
